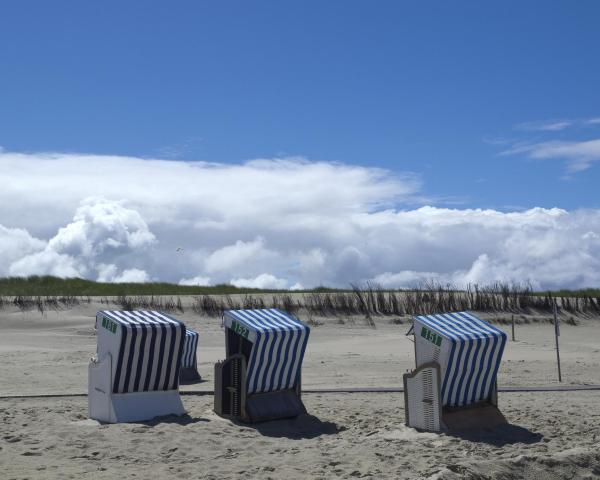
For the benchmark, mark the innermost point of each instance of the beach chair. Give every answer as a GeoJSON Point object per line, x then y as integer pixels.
{"type": "Point", "coordinates": [135, 375]}
{"type": "Point", "coordinates": [189, 367]}
{"type": "Point", "coordinates": [260, 379]}
{"type": "Point", "coordinates": [454, 384]}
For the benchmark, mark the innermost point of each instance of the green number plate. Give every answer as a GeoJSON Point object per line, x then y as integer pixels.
{"type": "Point", "coordinates": [431, 336]}
{"type": "Point", "coordinates": [240, 329]}
{"type": "Point", "coordinates": [109, 325]}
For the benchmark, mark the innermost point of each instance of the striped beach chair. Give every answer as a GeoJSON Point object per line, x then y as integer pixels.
{"type": "Point", "coordinates": [454, 385]}
{"type": "Point", "coordinates": [261, 377]}
{"type": "Point", "coordinates": [189, 367]}
{"type": "Point", "coordinates": [135, 375]}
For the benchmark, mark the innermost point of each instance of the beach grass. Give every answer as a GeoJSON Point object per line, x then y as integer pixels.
{"type": "Point", "coordinates": [51, 293]}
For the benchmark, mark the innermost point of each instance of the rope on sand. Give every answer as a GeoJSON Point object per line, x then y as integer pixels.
{"type": "Point", "coordinates": [531, 388]}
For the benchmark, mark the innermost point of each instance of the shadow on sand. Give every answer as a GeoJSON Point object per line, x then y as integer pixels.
{"type": "Point", "coordinates": [499, 435]}
{"type": "Point", "coordinates": [192, 381]}
{"type": "Point", "coordinates": [179, 419]}
{"type": "Point", "coordinates": [300, 427]}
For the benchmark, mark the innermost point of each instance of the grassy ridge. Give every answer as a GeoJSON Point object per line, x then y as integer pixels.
{"type": "Point", "coordinates": [585, 292]}
{"type": "Point", "coordinates": [47, 285]}
{"type": "Point", "coordinates": [46, 293]}
{"type": "Point", "coordinates": [53, 286]}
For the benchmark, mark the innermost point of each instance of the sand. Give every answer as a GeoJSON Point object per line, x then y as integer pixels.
{"type": "Point", "coordinates": [550, 435]}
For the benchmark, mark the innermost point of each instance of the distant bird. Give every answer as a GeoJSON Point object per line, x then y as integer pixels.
{"type": "Point", "coordinates": [179, 249]}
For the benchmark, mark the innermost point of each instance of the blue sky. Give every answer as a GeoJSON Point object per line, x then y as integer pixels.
{"type": "Point", "coordinates": [434, 88]}
{"type": "Point", "coordinates": [296, 144]}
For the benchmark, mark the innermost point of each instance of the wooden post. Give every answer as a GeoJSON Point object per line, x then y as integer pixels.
{"type": "Point", "coordinates": [513, 327]}
{"type": "Point", "coordinates": [556, 335]}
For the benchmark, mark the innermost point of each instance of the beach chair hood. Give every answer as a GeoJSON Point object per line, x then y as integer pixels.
{"type": "Point", "coordinates": [135, 375]}
{"type": "Point", "coordinates": [278, 345]}
{"type": "Point", "coordinates": [146, 347]}
{"type": "Point", "coordinates": [468, 350]}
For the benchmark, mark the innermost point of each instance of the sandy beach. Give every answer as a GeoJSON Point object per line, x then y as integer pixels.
{"type": "Point", "coordinates": [393, 174]}
{"type": "Point", "coordinates": [554, 434]}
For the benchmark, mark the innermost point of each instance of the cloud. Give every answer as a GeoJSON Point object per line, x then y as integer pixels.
{"type": "Point", "coordinates": [408, 279]}
{"type": "Point", "coordinates": [264, 280]}
{"type": "Point", "coordinates": [556, 125]}
{"type": "Point", "coordinates": [237, 256]}
{"type": "Point", "coordinates": [106, 272]}
{"type": "Point", "coordinates": [100, 230]}
{"type": "Point", "coordinates": [281, 223]}
{"type": "Point", "coordinates": [100, 225]}
{"type": "Point", "coordinates": [16, 243]}
{"type": "Point", "coordinates": [133, 275]}
{"type": "Point", "coordinates": [579, 155]}
{"type": "Point", "coordinates": [547, 126]}
{"type": "Point", "coordinates": [193, 194]}
{"type": "Point", "coordinates": [47, 262]}
{"type": "Point", "coordinates": [548, 248]}
{"type": "Point", "coordinates": [109, 273]}
{"type": "Point", "coordinates": [197, 281]}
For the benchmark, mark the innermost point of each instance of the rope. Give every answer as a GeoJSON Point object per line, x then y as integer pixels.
{"type": "Point", "coordinates": [532, 388]}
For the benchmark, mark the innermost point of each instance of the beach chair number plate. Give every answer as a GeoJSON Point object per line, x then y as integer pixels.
{"type": "Point", "coordinates": [109, 325]}
{"type": "Point", "coordinates": [431, 336]}
{"type": "Point", "coordinates": [240, 329]}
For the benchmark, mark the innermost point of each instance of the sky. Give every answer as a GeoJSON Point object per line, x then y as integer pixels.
{"type": "Point", "coordinates": [293, 144]}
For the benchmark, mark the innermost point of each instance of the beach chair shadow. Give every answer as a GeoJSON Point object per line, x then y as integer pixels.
{"type": "Point", "coordinates": [191, 382]}
{"type": "Point", "coordinates": [303, 426]}
{"type": "Point", "coordinates": [179, 419]}
{"type": "Point", "coordinates": [185, 419]}
{"type": "Point", "coordinates": [499, 436]}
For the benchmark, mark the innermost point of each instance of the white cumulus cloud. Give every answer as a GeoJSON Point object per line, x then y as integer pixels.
{"type": "Point", "coordinates": [264, 280]}
{"type": "Point", "coordinates": [100, 230]}
{"type": "Point", "coordinates": [133, 275]}
{"type": "Point", "coordinates": [281, 223]}
{"type": "Point", "coordinates": [16, 243]}
{"type": "Point", "coordinates": [197, 281]}
{"type": "Point", "coordinates": [109, 273]}
{"type": "Point", "coordinates": [238, 256]}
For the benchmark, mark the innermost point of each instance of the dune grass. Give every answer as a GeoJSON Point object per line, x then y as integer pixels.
{"type": "Point", "coordinates": [51, 293]}
{"type": "Point", "coordinates": [585, 292]}
{"type": "Point", "coordinates": [48, 285]}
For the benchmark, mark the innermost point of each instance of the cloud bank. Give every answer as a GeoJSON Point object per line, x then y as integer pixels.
{"type": "Point", "coordinates": [278, 223]}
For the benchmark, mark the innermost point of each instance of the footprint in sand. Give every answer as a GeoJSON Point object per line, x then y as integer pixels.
{"type": "Point", "coordinates": [31, 453]}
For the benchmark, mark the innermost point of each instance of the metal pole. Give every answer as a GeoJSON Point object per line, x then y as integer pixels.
{"type": "Point", "coordinates": [513, 327]}
{"type": "Point", "coordinates": [556, 335]}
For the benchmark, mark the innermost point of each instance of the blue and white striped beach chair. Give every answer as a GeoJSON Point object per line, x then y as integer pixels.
{"type": "Point", "coordinates": [189, 367]}
{"type": "Point", "coordinates": [261, 377]}
{"type": "Point", "coordinates": [136, 373]}
{"type": "Point", "coordinates": [457, 358]}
